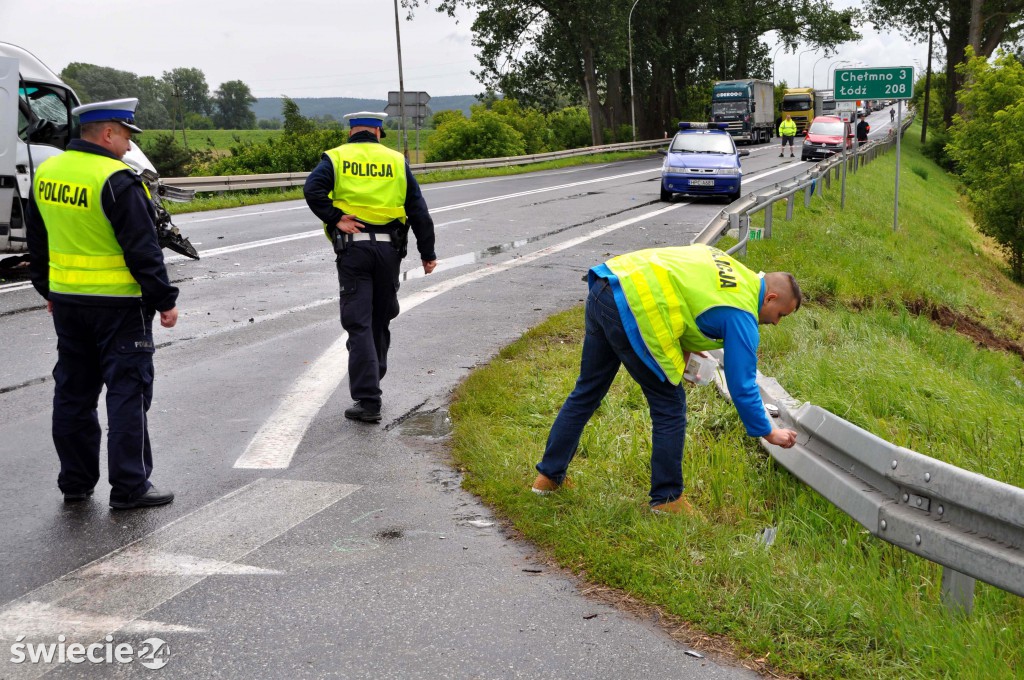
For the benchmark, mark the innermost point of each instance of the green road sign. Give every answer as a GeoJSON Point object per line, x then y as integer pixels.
{"type": "Point", "coordinates": [874, 83]}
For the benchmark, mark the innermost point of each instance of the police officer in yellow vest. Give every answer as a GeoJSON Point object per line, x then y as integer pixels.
{"type": "Point", "coordinates": [368, 200]}
{"type": "Point", "coordinates": [648, 310]}
{"type": "Point", "coordinates": [96, 260]}
{"type": "Point", "coordinates": [787, 131]}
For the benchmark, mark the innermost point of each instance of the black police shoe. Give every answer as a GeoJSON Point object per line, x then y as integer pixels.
{"type": "Point", "coordinates": [366, 414]}
{"type": "Point", "coordinates": [77, 497]}
{"type": "Point", "coordinates": [150, 499]}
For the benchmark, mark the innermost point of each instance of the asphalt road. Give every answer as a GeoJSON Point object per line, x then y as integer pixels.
{"type": "Point", "coordinates": [301, 544]}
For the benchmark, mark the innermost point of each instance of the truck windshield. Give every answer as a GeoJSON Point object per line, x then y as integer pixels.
{"type": "Point", "coordinates": [702, 143]}
{"type": "Point", "coordinates": [729, 108]}
{"type": "Point", "coordinates": [796, 102]}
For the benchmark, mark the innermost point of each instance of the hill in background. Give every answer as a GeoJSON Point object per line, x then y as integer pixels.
{"type": "Point", "coordinates": [270, 107]}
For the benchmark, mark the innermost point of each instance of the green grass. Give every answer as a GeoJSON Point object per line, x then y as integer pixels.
{"type": "Point", "coordinates": [235, 199]}
{"type": "Point", "coordinates": [827, 599]}
{"type": "Point", "coordinates": [211, 140]}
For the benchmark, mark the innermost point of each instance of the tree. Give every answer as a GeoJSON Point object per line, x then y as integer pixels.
{"type": "Point", "coordinates": [552, 53]}
{"type": "Point", "coordinates": [98, 83]}
{"type": "Point", "coordinates": [294, 122]}
{"type": "Point", "coordinates": [987, 144]}
{"type": "Point", "coordinates": [231, 102]}
{"type": "Point", "coordinates": [188, 92]}
{"type": "Point", "coordinates": [984, 25]}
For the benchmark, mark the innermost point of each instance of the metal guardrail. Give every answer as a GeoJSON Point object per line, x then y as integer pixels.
{"type": "Point", "coordinates": [737, 214]}
{"type": "Point", "coordinates": [971, 525]}
{"type": "Point", "coordinates": [294, 179]}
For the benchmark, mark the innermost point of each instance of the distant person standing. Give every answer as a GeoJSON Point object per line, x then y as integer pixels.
{"type": "Point", "coordinates": [368, 199]}
{"type": "Point", "coordinates": [787, 131]}
{"type": "Point", "coordinates": [96, 260]}
{"type": "Point", "coordinates": [892, 115]}
{"type": "Point", "coordinates": [863, 128]}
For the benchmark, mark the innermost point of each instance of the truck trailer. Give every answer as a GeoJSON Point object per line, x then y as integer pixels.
{"type": "Point", "coordinates": [747, 107]}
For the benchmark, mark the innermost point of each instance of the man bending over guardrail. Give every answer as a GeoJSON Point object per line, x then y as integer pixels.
{"type": "Point", "coordinates": [649, 310]}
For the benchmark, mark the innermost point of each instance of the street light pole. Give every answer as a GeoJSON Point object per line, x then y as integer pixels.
{"type": "Point", "coordinates": [831, 68]}
{"type": "Point", "coordinates": [814, 70]}
{"type": "Point", "coordinates": [632, 99]}
{"type": "Point", "coordinates": [401, 84]}
{"type": "Point", "coordinates": [781, 45]}
{"type": "Point", "coordinates": [798, 60]}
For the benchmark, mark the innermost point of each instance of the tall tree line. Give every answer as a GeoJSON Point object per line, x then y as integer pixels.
{"type": "Point", "coordinates": [551, 53]}
{"type": "Point", "coordinates": [181, 97]}
{"type": "Point", "coordinates": [983, 25]}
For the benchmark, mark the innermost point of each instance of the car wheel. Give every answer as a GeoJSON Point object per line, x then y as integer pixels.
{"type": "Point", "coordinates": [666, 196]}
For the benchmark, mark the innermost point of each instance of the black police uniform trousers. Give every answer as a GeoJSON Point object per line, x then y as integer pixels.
{"type": "Point", "coordinates": [99, 346]}
{"type": "Point", "coordinates": [368, 286]}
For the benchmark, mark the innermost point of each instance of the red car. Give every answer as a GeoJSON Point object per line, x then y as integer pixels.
{"type": "Point", "coordinates": [825, 138]}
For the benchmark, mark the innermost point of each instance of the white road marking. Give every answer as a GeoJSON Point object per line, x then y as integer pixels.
{"type": "Point", "coordinates": [433, 211]}
{"type": "Point", "coordinates": [114, 592]}
{"type": "Point", "coordinates": [277, 440]}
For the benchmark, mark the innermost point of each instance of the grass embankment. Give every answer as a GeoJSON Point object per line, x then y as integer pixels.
{"type": "Point", "coordinates": [221, 141]}
{"type": "Point", "coordinates": [236, 199]}
{"type": "Point", "coordinates": [826, 599]}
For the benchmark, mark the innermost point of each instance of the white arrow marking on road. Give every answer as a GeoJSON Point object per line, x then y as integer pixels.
{"type": "Point", "coordinates": [112, 593]}
{"type": "Point", "coordinates": [276, 441]}
{"type": "Point", "coordinates": [37, 620]}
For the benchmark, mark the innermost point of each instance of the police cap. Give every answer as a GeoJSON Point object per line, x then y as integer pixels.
{"type": "Point", "coordinates": [119, 110]}
{"type": "Point", "coordinates": [367, 119]}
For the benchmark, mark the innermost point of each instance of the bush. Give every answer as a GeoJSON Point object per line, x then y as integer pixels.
{"type": "Point", "coordinates": [570, 128]}
{"type": "Point", "coordinates": [920, 172]}
{"type": "Point", "coordinates": [172, 159]}
{"type": "Point", "coordinates": [485, 135]}
{"type": "Point", "coordinates": [289, 153]}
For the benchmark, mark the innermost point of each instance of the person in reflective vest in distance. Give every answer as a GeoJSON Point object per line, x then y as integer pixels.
{"type": "Point", "coordinates": [94, 256]}
{"type": "Point", "coordinates": [787, 131]}
{"type": "Point", "coordinates": [368, 200]}
{"type": "Point", "coordinates": [648, 310]}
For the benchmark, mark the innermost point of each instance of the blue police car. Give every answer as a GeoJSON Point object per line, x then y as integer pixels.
{"type": "Point", "coordinates": [703, 161]}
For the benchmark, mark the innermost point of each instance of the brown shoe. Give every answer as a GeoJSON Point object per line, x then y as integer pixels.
{"type": "Point", "coordinates": [679, 506]}
{"type": "Point", "coordinates": [544, 485]}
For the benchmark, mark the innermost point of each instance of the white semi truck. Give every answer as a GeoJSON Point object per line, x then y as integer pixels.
{"type": "Point", "coordinates": [35, 124]}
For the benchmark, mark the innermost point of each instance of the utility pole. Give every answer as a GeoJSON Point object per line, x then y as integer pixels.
{"type": "Point", "coordinates": [401, 84]}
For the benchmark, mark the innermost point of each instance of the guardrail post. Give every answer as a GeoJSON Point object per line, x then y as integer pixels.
{"type": "Point", "coordinates": [828, 180]}
{"type": "Point", "coordinates": [957, 591]}
{"type": "Point", "coordinates": [768, 220]}
{"type": "Point", "coordinates": [741, 224]}
{"type": "Point", "coordinates": [790, 200]}
{"type": "Point", "coordinates": [808, 192]}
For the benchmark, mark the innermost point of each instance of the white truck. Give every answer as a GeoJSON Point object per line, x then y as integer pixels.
{"type": "Point", "coordinates": [35, 124]}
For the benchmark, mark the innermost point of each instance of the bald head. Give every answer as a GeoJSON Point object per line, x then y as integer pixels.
{"type": "Point", "coordinates": [782, 297]}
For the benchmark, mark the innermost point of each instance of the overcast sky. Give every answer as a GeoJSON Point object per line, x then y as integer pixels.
{"type": "Point", "coordinates": [311, 48]}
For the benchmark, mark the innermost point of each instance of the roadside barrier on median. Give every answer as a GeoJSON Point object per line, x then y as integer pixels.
{"type": "Point", "coordinates": [297, 179]}
{"type": "Point", "coordinates": [971, 525]}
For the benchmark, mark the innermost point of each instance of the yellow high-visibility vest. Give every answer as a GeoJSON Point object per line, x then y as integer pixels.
{"type": "Point", "coordinates": [668, 288]}
{"type": "Point", "coordinates": [369, 182]}
{"type": "Point", "coordinates": [85, 257]}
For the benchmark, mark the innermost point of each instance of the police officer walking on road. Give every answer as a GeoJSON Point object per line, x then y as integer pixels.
{"type": "Point", "coordinates": [368, 199]}
{"type": "Point", "coordinates": [96, 260]}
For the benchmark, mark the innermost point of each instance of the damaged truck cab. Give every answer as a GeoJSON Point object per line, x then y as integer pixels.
{"type": "Point", "coordinates": [36, 124]}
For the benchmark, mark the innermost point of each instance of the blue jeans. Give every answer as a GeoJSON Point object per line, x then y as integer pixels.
{"type": "Point", "coordinates": [605, 347]}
